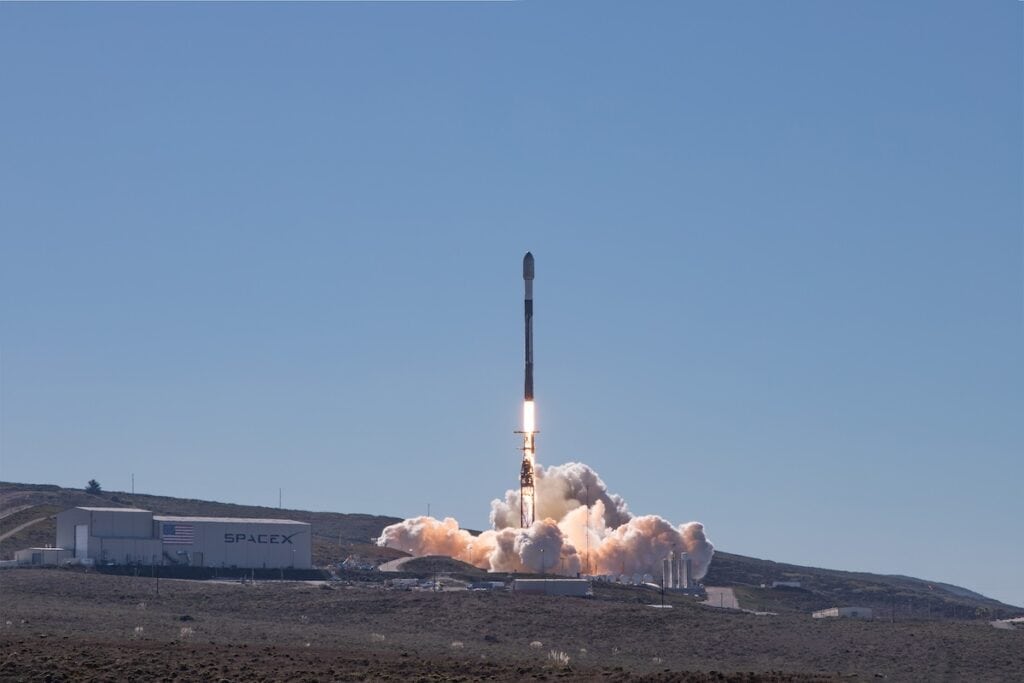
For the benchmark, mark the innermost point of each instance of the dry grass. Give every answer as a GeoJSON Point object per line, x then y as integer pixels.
{"type": "Point", "coordinates": [558, 658]}
{"type": "Point", "coordinates": [255, 632]}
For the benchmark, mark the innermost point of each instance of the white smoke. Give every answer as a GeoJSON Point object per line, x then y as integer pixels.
{"type": "Point", "coordinates": [560, 490]}
{"type": "Point", "coordinates": [563, 540]}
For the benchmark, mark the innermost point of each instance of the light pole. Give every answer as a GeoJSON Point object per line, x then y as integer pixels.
{"type": "Point", "coordinates": [675, 565]}
{"type": "Point", "coordinates": [544, 570]}
{"type": "Point", "coordinates": [588, 529]}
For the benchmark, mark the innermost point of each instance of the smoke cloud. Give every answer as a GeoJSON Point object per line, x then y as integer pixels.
{"type": "Point", "coordinates": [563, 540]}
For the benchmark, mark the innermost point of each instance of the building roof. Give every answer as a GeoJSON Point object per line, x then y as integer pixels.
{"type": "Point", "coordinates": [227, 520]}
{"type": "Point", "coordinates": [182, 518]}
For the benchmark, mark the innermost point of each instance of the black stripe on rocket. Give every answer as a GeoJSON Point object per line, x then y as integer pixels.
{"type": "Point", "coordinates": [528, 309]}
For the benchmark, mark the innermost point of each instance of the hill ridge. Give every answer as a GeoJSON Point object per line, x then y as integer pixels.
{"type": "Point", "coordinates": [337, 535]}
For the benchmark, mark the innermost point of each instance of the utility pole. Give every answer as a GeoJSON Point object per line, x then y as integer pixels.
{"type": "Point", "coordinates": [588, 531]}
{"type": "Point", "coordinates": [542, 568]}
{"type": "Point", "coordinates": [279, 498]}
{"type": "Point", "coordinates": [133, 483]}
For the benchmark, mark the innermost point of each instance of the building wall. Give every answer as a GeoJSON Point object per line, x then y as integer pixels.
{"type": "Point", "coordinates": [126, 550]}
{"type": "Point", "coordinates": [135, 536]}
{"type": "Point", "coordinates": [848, 612]}
{"type": "Point", "coordinates": [66, 522]}
{"type": "Point", "coordinates": [126, 523]}
{"type": "Point", "coordinates": [222, 543]}
{"type": "Point", "coordinates": [577, 587]}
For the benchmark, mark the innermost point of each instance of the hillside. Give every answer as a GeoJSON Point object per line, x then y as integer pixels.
{"type": "Point", "coordinates": [92, 626]}
{"type": "Point", "coordinates": [336, 535]}
{"type": "Point", "coordinates": [900, 596]}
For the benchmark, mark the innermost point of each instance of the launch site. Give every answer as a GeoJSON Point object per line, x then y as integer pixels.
{"type": "Point", "coordinates": [512, 341]}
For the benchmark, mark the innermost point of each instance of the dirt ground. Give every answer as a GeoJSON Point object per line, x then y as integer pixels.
{"type": "Point", "coordinates": [60, 625]}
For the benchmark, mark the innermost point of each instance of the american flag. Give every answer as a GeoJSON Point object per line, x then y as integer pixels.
{"type": "Point", "coordinates": [181, 534]}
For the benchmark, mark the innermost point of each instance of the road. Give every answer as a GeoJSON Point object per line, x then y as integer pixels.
{"type": "Point", "coordinates": [14, 510]}
{"type": "Point", "coordinates": [26, 525]}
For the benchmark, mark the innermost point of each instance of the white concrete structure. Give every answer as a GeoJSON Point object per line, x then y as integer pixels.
{"type": "Point", "coordinates": [43, 556]}
{"type": "Point", "coordinates": [134, 536]}
{"type": "Point", "coordinates": [848, 612]}
{"type": "Point", "coordinates": [721, 597]}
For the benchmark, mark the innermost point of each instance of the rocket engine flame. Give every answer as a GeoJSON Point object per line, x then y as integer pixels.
{"type": "Point", "coordinates": [527, 473]}
{"type": "Point", "coordinates": [566, 496]}
{"type": "Point", "coordinates": [529, 417]}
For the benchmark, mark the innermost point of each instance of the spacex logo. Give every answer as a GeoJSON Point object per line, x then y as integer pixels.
{"type": "Point", "coordinates": [273, 539]}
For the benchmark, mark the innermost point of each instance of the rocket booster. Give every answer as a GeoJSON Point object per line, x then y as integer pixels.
{"type": "Point", "coordinates": [528, 309]}
{"type": "Point", "coordinates": [527, 494]}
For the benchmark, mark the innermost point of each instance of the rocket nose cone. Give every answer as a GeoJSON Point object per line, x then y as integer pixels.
{"type": "Point", "coordinates": [528, 266]}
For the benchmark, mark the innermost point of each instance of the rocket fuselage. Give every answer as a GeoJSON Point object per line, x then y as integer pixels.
{"type": "Point", "coordinates": [528, 310]}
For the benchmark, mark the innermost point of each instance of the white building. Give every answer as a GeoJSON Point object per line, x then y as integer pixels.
{"type": "Point", "coordinates": [134, 536]}
{"type": "Point", "coordinates": [42, 556]}
{"type": "Point", "coordinates": [849, 612]}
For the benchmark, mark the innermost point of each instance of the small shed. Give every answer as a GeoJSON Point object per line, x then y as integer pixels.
{"type": "Point", "coordinates": [43, 556]}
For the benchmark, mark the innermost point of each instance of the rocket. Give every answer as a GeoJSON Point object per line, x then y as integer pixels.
{"type": "Point", "coordinates": [528, 309]}
{"type": "Point", "coordinates": [527, 498]}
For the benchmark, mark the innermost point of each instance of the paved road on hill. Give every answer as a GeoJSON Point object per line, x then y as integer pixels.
{"type": "Point", "coordinates": [14, 510]}
{"type": "Point", "coordinates": [721, 597]}
{"type": "Point", "coordinates": [1008, 624]}
{"type": "Point", "coordinates": [26, 525]}
{"type": "Point", "coordinates": [394, 565]}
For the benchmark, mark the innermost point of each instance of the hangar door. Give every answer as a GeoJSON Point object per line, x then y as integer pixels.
{"type": "Point", "coordinates": [81, 541]}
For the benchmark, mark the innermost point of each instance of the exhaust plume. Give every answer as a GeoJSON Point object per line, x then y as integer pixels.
{"type": "Point", "coordinates": [566, 495]}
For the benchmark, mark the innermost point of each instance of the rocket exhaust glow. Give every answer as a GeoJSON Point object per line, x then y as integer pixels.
{"type": "Point", "coordinates": [527, 498]}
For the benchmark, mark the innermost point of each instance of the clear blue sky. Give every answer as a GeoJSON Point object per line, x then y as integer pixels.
{"type": "Point", "coordinates": [779, 262]}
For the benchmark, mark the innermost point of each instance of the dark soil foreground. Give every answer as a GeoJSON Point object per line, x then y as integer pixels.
{"type": "Point", "coordinates": [59, 625]}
